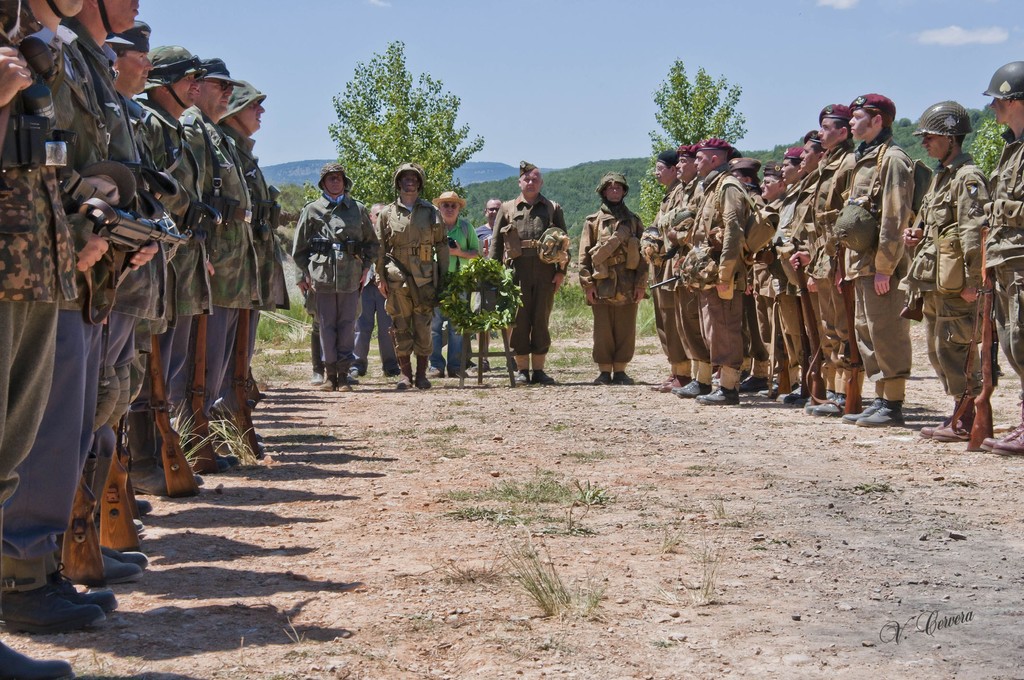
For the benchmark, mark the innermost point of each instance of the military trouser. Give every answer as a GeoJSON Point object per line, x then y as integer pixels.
{"type": "Point", "coordinates": [1009, 316]}
{"type": "Point", "coordinates": [687, 308]}
{"type": "Point", "coordinates": [950, 327]}
{"type": "Point", "coordinates": [834, 333]}
{"type": "Point", "coordinates": [722, 325]}
{"type": "Point", "coordinates": [174, 353]}
{"type": "Point", "coordinates": [531, 333]}
{"type": "Point", "coordinates": [221, 330]}
{"type": "Point", "coordinates": [372, 312]}
{"type": "Point", "coordinates": [337, 313]}
{"type": "Point", "coordinates": [411, 324]}
{"type": "Point", "coordinates": [614, 335]}
{"type": "Point", "coordinates": [28, 333]}
{"type": "Point", "coordinates": [757, 337]}
{"type": "Point", "coordinates": [40, 508]}
{"type": "Point", "coordinates": [668, 330]}
{"type": "Point", "coordinates": [883, 338]}
{"type": "Point", "coordinates": [781, 315]}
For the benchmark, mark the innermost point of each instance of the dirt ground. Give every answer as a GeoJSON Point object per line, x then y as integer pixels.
{"type": "Point", "coordinates": [375, 545]}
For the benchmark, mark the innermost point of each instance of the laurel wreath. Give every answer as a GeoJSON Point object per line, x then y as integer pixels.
{"type": "Point", "coordinates": [465, 285]}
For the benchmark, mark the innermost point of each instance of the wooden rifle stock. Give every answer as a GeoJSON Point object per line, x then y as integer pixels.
{"type": "Point", "coordinates": [177, 473]}
{"type": "Point", "coordinates": [855, 373]}
{"type": "Point", "coordinates": [80, 552]}
{"type": "Point", "coordinates": [243, 413]}
{"type": "Point", "coordinates": [117, 528]}
{"type": "Point", "coordinates": [982, 427]}
{"type": "Point", "coordinates": [813, 382]}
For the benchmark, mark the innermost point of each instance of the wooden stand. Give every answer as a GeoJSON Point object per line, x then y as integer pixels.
{"type": "Point", "coordinates": [483, 352]}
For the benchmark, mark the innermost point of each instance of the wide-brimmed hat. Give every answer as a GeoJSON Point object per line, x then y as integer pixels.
{"type": "Point", "coordinates": [449, 197]}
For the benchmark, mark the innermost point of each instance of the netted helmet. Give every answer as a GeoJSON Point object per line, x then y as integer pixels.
{"type": "Point", "coordinates": [611, 177]}
{"type": "Point", "coordinates": [554, 247]}
{"type": "Point", "coordinates": [1007, 82]}
{"type": "Point", "coordinates": [410, 167]}
{"type": "Point", "coordinates": [945, 118]}
{"type": "Point", "coordinates": [333, 168]}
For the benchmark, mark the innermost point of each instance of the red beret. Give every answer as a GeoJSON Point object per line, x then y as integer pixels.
{"type": "Point", "coordinates": [882, 105]}
{"type": "Point", "coordinates": [794, 153]}
{"type": "Point", "coordinates": [837, 111]}
{"type": "Point", "coordinates": [689, 150]}
{"type": "Point", "coordinates": [715, 144]}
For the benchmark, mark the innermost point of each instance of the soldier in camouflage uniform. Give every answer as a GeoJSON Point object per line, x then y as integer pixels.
{"type": "Point", "coordinates": [517, 232]}
{"type": "Point", "coordinates": [334, 247]}
{"type": "Point", "coordinates": [234, 282]}
{"type": "Point", "coordinates": [718, 240]}
{"type": "Point", "coordinates": [883, 184]}
{"type": "Point", "coordinates": [946, 269]}
{"type": "Point", "coordinates": [1004, 248]}
{"type": "Point", "coordinates": [613, 279]}
{"type": "Point", "coordinates": [413, 252]}
{"type": "Point", "coordinates": [37, 263]}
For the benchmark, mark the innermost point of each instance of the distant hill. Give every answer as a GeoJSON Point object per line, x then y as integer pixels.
{"type": "Point", "coordinates": [299, 172]}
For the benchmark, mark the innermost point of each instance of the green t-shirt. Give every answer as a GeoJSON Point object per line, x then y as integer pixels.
{"type": "Point", "coordinates": [464, 235]}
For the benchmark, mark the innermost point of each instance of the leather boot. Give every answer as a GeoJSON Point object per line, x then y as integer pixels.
{"type": "Point", "coordinates": [955, 432]}
{"type": "Point", "coordinates": [873, 408]}
{"type": "Point", "coordinates": [144, 448]}
{"type": "Point", "coordinates": [330, 378]}
{"type": "Point", "coordinates": [341, 370]}
{"type": "Point", "coordinates": [991, 442]}
{"type": "Point", "coordinates": [890, 413]}
{"type": "Point", "coordinates": [15, 666]}
{"type": "Point", "coordinates": [405, 381]}
{"type": "Point", "coordinates": [421, 373]}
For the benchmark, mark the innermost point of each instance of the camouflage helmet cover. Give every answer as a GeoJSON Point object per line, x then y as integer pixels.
{"type": "Point", "coordinates": [554, 247]}
{"type": "Point", "coordinates": [945, 118]}
{"type": "Point", "coordinates": [609, 178]}
{"type": "Point", "coordinates": [242, 96]}
{"type": "Point", "coordinates": [331, 169]}
{"type": "Point", "coordinates": [171, 63]}
{"type": "Point", "coordinates": [410, 167]}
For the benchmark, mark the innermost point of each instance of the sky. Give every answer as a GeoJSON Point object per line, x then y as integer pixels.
{"type": "Point", "coordinates": [561, 82]}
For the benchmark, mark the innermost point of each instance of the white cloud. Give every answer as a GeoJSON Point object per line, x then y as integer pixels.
{"type": "Point", "coordinates": [838, 4]}
{"type": "Point", "coordinates": [380, 3]}
{"type": "Point", "coordinates": [955, 36]}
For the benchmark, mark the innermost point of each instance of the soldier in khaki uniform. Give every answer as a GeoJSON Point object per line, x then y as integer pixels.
{"type": "Point", "coordinates": [1004, 248]}
{"type": "Point", "coordinates": [413, 253]}
{"type": "Point", "coordinates": [718, 267]}
{"type": "Point", "coordinates": [659, 241]}
{"type": "Point", "coordinates": [613, 279]}
{"type": "Point", "coordinates": [946, 270]}
{"type": "Point", "coordinates": [883, 185]}
{"type": "Point", "coordinates": [517, 233]}
{"type": "Point", "coordinates": [817, 253]}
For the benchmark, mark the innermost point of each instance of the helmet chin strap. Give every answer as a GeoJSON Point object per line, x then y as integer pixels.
{"type": "Point", "coordinates": [56, 10]}
{"type": "Point", "coordinates": [174, 94]}
{"type": "Point", "coordinates": [103, 14]}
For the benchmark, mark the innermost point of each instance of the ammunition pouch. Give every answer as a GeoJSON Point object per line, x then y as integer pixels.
{"type": "Point", "coordinates": [26, 141]}
{"type": "Point", "coordinates": [949, 276]}
{"type": "Point", "coordinates": [265, 218]}
{"type": "Point", "coordinates": [321, 246]}
{"type": "Point", "coordinates": [198, 217]}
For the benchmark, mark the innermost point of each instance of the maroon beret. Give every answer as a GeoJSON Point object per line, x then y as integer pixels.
{"type": "Point", "coordinates": [715, 144]}
{"type": "Point", "coordinates": [794, 153]}
{"type": "Point", "coordinates": [688, 150]}
{"type": "Point", "coordinates": [837, 111]}
{"type": "Point", "coordinates": [878, 103]}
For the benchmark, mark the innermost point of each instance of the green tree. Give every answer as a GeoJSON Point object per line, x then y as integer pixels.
{"type": "Point", "coordinates": [386, 118]}
{"type": "Point", "coordinates": [689, 111]}
{"type": "Point", "coordinates": [987, 145]}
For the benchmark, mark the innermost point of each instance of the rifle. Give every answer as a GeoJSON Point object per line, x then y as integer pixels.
{"type": "Point", "coordinates": [982, 427]}
{"type": "Point", "coordinates": [80, 553]}
{"type": "Point", "coordinates": [667, 281]}
{"type": "Point", "coordinates": [854, 374]}
{"type": "Point", "coordinates": [177, 474]}
{"type": "Point", "coordinates": [814, 384]}
{"type": "Point", "coordinates": [243, 413]}
{"type": "Point", "coordinates": [205, 460]}
{"type": "Point", "coordinates": [117, 528]}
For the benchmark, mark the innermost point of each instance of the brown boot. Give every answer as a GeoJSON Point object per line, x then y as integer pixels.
{"type": "Point", "coordinates": [959, 431]}
{"type": "Point", "coordinates": [330, 378]}
{"type": "Point", "coordinates": [405, 380]}
{"type": "Point", "coordinates": [991, 443]}
{"type": "Point", "coordinates": [421, 373]}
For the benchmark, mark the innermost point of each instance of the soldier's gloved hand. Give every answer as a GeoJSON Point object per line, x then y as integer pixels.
{"type": "Point", "coordinates": [15, 75]}
{"type": "Point", "coordinates": [143, 255]}
{"type": "Point", "coordinates": [92, 252]}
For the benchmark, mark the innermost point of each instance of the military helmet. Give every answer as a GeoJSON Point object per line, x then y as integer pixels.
{"type": "Point", "coordinates": [410, 167]}
{"type": "Point", "coordinates": [332, 168]}
{"type": "Point", "coordinates": [171, 63]}
{"type": "Point", "coordinates": [1007, 82]}
{"type": "Point", "coordinates": [610, 177]}
{"type": "Point", "coordinates": [554, 247]}
{"type": "Point", "coordinates": [945, 118]}
{"type": "Point", "coordinates": [856, 228]}
{"type": "Point", "coordinates": [242, 96]}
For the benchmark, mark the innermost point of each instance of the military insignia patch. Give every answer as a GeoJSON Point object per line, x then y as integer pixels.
{"type": "Point", "coordinates": [951, 121]}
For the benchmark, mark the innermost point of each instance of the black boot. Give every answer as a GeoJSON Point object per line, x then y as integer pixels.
{"type": "Point", "coordinates": [421, 373]}
{"type": "Point", "coordinates": [405, 381]}
{"type": "Point", "coordinates": [15, 666]}
{"type": "Point", "coordinates": [720, 397]}
{"type": "Point", "coordinates": [330, 378]}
